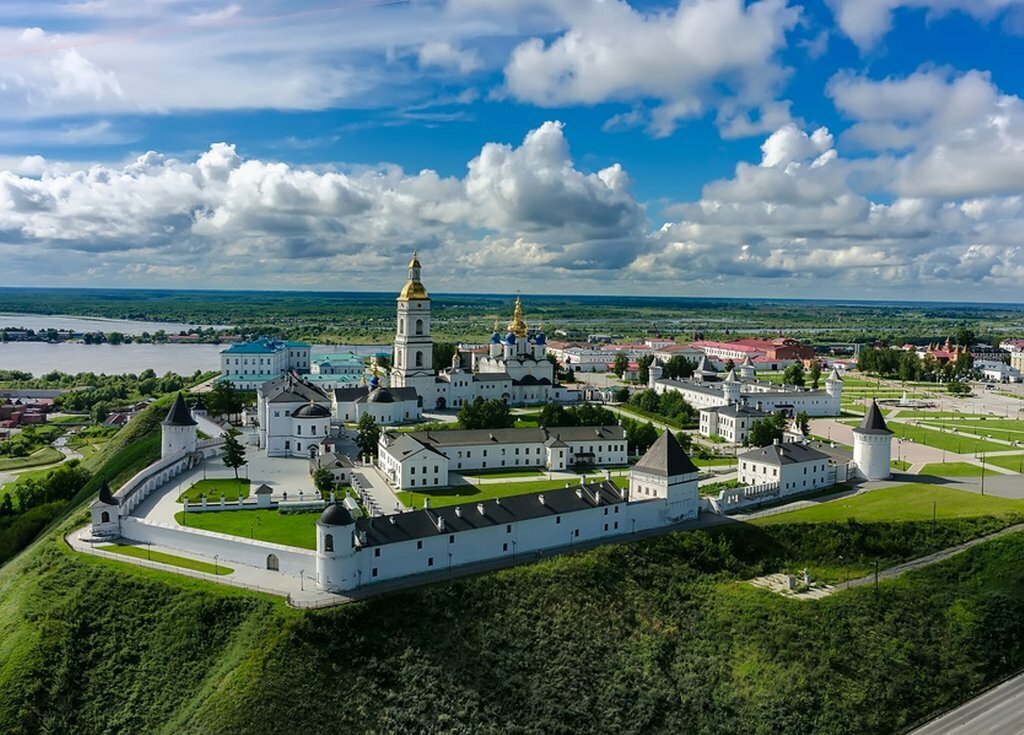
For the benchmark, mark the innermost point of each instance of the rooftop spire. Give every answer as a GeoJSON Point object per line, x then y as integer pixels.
{"type": "Point", "coordinates": [414, 290]}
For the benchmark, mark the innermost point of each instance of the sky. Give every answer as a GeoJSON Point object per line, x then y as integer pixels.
{"type": "Point", "coordinates": [869, 149]}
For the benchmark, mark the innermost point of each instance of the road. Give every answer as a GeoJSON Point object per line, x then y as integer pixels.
{"type": "Point", "coordinates": [999, 711]}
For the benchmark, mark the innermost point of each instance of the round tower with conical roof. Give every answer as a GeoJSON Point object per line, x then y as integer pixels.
{"type": "Point", "coordinates": [178, 430]}
{"type": "Point", "coordinates": [731, 387]}
{"type": "Point", "coordinates": [872, 445]}
{"type": "Point", "coordinates": [336, 566]}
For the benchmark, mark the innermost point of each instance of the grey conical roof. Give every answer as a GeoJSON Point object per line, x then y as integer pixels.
{"type": "Point", "coordinates": [665, 458]}
{"type": "Point", "coordinates": [179, 415]}
{"type": "Point", "coordinates": [747, 362]}
{"type": "Point", "coordinates": [731, 377]}
{"type": "Point", "coordinates": [874, 422]}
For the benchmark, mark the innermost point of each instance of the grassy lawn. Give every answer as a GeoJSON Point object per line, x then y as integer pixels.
{"type": "Point", "coordinates": [475, 493]}
{"type": "Point", "coordinates": [901, 503]}
{"type": "Point", "coordinates": [1013, 462]}
{"type": "Point", "coordinates": [290, 529]}
{"type": "Point", "coordinates": [526, 423]}
{"type": "Point", "coordinates": [487, 474]}
{"type": "Point", "coordinates": [142, 552]}
{"type": "Point", "coordinates": [45, 455]}
{"type": "Point", "coordinates": [901, 465]}
{"type": "Point", "coordinates": [951, 469]}
{"type": "Point", "coordinates": [713, 462]}
{"type": "Point", "coordinates": [213, 488]}
{"type": "Point", "coordinates": [943, 440]}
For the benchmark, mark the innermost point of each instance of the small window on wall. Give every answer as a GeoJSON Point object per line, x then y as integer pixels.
{"type": "Point", "coordinates": [329, 542]}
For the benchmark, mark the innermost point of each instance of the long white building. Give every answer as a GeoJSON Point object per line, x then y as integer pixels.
{"type": "Point", "coordinates": [424, 458]}
{"type": "Point", "coordinates": [249, 364]}
{"type": "Point", "coordinates": [355, 552]}
{"type": "Point", "coordinates": [706, 389]}
{"type": "Point", "coordinates": [794, 467]}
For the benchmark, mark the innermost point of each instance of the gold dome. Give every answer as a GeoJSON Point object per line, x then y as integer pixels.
{"type": "Point", "coordinates": [518, 325]}
{"type": "Point", "coordinates": [413, 289]}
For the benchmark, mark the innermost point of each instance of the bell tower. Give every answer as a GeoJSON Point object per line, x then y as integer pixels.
{"type": "Point", "coordinates": [413, 365]}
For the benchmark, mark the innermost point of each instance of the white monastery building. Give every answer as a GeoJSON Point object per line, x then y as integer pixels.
{"type": "Point", "coordinates": [351, 552]}
{"type": "Point", "coordinates": [424, 458]}
{"type": "Point", "coordinates": [249, 364]}
{"type": "Point", "coordinates": [706, 389]}
{"type": "Point", "coordinates": [294, 417]}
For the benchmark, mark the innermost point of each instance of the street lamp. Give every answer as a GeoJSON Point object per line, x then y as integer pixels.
{"type": "Point", "coordinates": [215, 558]}
{"type": "Point", "coordinates": [302, 587]}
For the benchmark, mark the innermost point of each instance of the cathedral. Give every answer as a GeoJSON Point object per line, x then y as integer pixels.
{"type": "Point", "coordinates": [513, 368]}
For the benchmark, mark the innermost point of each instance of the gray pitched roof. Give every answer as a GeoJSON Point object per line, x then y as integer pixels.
{"type": "Point", "coordinates": [666, 458]}
{"type": "Point", "coordinates": [179, 415]}
{"type": "Point", "coordinates": [290, 388]}
{"type": "Point", "coordinates": [459, 437]}
{"type": "Point", "coordinates": [453, 519]}
{"type": "Point", "coordinates": [785, 453]}
{"type": "Point", "coordinates": [874, 422]}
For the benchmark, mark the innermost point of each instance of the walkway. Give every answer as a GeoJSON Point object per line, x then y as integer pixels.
{"type": "Point", "coordinates": [999, 711]}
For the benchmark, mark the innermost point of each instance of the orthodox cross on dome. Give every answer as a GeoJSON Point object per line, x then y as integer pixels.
{"type": "Point", "coordinates": [518, 325]}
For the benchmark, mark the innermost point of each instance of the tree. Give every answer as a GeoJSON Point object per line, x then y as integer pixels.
{"type": "Point", "coordinates": [554, 414]}
{"type": "Point", "coordinates": [99, 412]}
{"type": "Point", "coordinates": [803, 421]}
{"type": "Point", "coordinates": [485, 414]}
{"type": "Point", "coordinates": [794, 374]}
{"type": "Point", "coordinates": [234, 452]}
{"type": "Point", "coordinates": [383, 362]}
{"type": "Point", "coordinates": [620, 364]}
{"type": "Point", "coordinates": [643, 369]}
{"type": "Point", "coordinates": [815, 374]}
{"type": "Point", "coordinates": [957, 388]}
{"type": "Point", "coordinates": [678, 366]}
{"type": "Point", "coordinates": [646, 400]}
{"type": "Point", "coordinates": [767, 430]}
{"type": "Point", "coordinates": [367, 434]}
{"type": "Point", "coordinates": [685, 441]}
{"type": "Point", "coordinates": [729, 365]}
{"type": "Point", "coordinates": [323, 479]}
{"type": "Point", "coordinates": [443, 353]}
{"type": "Point", "coordinates": [640, 436]}
{"type": "Point", "coordinates": [621, 395]}
{"type": "Point", "coordinates": [672, 405]}
{"type": "Point", "coordinates": [6, 506]}
{"type": "Point", "coordinates": [223, 399]}
{"type": "Point", "coordinates": [965, 337]}
{"type": "Point", "coordinates": [591, 415]}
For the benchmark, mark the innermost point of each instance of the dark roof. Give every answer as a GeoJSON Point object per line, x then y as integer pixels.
{"type": "Point", "coordinates": [179, 415]}
{"type": "Point", "coordinates": [335, 515]}
{"type": "Point", "coordinates": [348, 395]}
{"type": "Point", "coordinates": [264, 489]}
{"type": "Point", "coordinates": [874, 422]}
{"type": "Point", "coordinates": [490, 377]}
{"type": "Point", "coordinates": [784, 453]}
{"type": "Point", "coordinates": [453, 519]}
{"type": "Point", "coordinates": [106, 497]}
{"type": "Point", "coordinates": [666, 458]}
{"type": "Point", "coordinates": [531, 380]}
{"type": "Point", "coordinates": [290, 388]}
{"type": "Point", "coordinates": [448, 438]}
{"type": "Point", "coordinates": [380, 395]}
{"type": "Point", "coordinates": [736, 409]}
{"type": "Point", "coordinates": [311, 411]}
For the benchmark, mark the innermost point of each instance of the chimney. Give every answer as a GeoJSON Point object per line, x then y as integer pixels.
{"type": "Point", "coordinates": [541, 498]}
{"type": "Point", "coordinates": [497, 501]}
{"type": "Point", "coordinates": [426, 503]}
{"type": "Point", "coordinates": [440, 524]}
{"type": "Point", "coordinates": [776, 441]}
{"type": "Point", "coordinates": [458, 511]}
{"type": "Point", "coordinates": [391, 520]}
{"type": "Point", "coordinates": [579, 492]}
{"type": "Point", "coordinates": [480, 508]}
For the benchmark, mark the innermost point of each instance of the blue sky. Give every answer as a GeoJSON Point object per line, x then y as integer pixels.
{"type": "Point", "coordinates": [849, 148]}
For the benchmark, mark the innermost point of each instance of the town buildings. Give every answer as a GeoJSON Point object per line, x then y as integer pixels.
{"type": "Point", "coordinates": [249, 364]}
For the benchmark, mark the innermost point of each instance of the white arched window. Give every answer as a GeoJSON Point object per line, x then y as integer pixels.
{"type": "Point", "coordinates": [419, 326]}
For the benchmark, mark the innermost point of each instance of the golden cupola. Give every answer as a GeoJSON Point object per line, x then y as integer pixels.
{"type": "Point", "coordinates": [413, 289]}
{"type": "Point", "coordinates": [518, 325]}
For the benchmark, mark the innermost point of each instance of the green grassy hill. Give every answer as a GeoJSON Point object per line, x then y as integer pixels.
{"type": "Point", "coordinates": [661, 636]}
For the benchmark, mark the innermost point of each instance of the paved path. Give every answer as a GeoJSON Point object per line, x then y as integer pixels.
{"type": "Point", "coordinates": [999, 711]}
{"type": "Point", "coordinates": [378, 489]}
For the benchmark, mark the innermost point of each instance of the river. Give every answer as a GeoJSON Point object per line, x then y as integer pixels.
{"type": "Point", "coordinates": [91, 324]}
{"type": "Point", "coordinates": [75, 357]}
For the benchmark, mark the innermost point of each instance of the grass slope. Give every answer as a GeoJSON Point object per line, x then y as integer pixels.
{"type": "Point", "coordinates": [658, 636]}
{"type": "Point", "coordinates": [44, 455]}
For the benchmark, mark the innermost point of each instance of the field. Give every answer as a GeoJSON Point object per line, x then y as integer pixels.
{"type": "Point", "coordinates": [143, 552]}
{"type": "Point", "coordinates": [951, 469]}
{"type": "Point", "coordinates": [1013, 462]}
{"type": "Point", "coordinates": [213, 488]}
{"type": "Point", "coordinates": [458, 494]}
{"type": "Point", "coordinates": [289, 529]}
{"type": "Point", "coordinates": [38, 458]}
{"type": "Point", "coordinates": [496, 474]}
{"type": "Point", "coordinates": [943, 440]}
{"type": "Point", "coordinates": [902, 503]}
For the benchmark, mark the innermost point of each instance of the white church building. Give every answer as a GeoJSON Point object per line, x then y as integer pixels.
{"type": "Point", "coordinates": [514, 368]}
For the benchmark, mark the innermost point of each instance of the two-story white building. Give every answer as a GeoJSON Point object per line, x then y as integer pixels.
{"type": "Point", "coordinates": [731, 422]}
{"type": "Point", "coordinates": [246, 365]}
{"type": "Point", "coordinates": [388, 406]}
{"type": "Point", "coordinates": [556, 449]}
{"type": "Point", "coordinates": [795, 468]}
